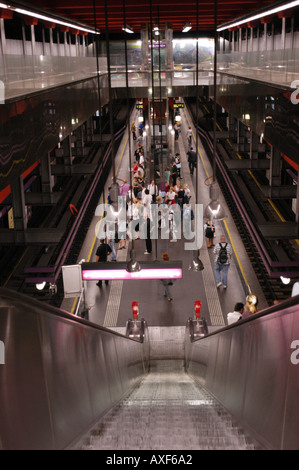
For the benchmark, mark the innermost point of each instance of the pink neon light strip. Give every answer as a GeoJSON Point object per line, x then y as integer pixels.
{"type": "Point", "coordinates": [117, 274]}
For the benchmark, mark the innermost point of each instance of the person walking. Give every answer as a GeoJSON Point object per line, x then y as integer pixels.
{"type": "Point", "coordinates": [209, 229]}
{"type": "Point", "coordinates": [223, 253]}
{"type": "Point", "coordinates": [174, 173]}
{"type": "Point", "coordinates": [189, 136]}
{"type": "Point", "coordinates": [166, 282]}
{"type": "Point", "coordinates": [102, 253]}
{"type": "Point", "coordinates": [167, 174]}
{"type": "Point", "coordinates": [133, 129]}
{"type": "Point", "coordinates": [191, 160]}
{"type": "Point", "coordinates": [146, 202]}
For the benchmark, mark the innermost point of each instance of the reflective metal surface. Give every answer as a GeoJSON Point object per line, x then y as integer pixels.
{"type": "Point", "coordinates": [60, 374]}
{"type": "Point", "coordinates": [251, 368]}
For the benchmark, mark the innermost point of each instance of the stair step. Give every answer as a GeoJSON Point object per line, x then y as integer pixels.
{"type": "Point", "coordinates": [168, 410]}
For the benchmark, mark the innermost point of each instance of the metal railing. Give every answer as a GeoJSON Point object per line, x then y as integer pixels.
{"type": "Point", "coordinates": [60, 373]}
{"type": "Point", "coordinates": [251, 368]}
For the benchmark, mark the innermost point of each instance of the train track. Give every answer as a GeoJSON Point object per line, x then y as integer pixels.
{"type": "Point", "coordinates": [14, 259]}
{"type": "Point", "coordinates": [272, 287]}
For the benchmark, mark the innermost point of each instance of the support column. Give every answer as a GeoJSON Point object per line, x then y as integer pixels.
{"type": "Point", "coordinates": [18, 204]}
{"type": "Point", "coordinates": [80, 142]}
{"type": "Point", "coordinates": [275, 168]}
{"type": "Point", "coordinates": [44, 40]}
{"type": "Point", "coordinates": [283, 33]}
{"type": "Point", "coordinates": [67, 151]}
{"type": "Point", "coordinates": [45, 173]}
{"type": "Point", "coordinates": [246, 39]}
{"type": "Point", "coordinates": [240, 40]}
{"type": "Point", "coordinates": [254, 143]}
{"type": "Point", "coordinates": [33, 40]}
{"type": "Point", "coordinates": [65, 44]}
{"type": "Point", "coordinates": [231, 127]}
{"type": "Point", "coordinates": [24, 39]}
{"type": "Point", "coordinates": [89, 129]}
{"type": "Point", "coordinates": [3, 38]}
{"type": "Point", "coordinates": [51, 41]}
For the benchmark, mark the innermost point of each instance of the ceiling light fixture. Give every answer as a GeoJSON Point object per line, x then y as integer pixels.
{"type": "Point", "coordinates": [133, 266]}
{"type": "Point", "coordinates": [272, 11]}
{"type": "Point", "coordinates": [196, 263]}
{"type": "Point", "coordinates": [39, 16]}
{"type": "Point", "coordinates": [187, 27]}
{"type": "Point", "coordinates": [285, 280]}
{"type": "Point", "coordinates": [128, 29]}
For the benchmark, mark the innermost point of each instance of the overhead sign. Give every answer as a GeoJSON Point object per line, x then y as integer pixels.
{"type": "Point", "coordinates": [179, 105]}
{"type": "Point", "coordinates": [139, 106]}
{"type": "Point", "coordinates": [118, 271]}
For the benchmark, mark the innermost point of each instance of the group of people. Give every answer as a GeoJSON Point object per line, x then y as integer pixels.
{"type": "Point", "coordinates": [242, 310]}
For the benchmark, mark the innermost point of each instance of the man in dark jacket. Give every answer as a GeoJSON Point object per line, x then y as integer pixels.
{"type": "Point", "coordinates": [102, 253]}
{"type": "Point", "coordinates": [191, 160]}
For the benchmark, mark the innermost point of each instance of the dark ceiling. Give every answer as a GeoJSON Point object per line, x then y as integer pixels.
{"type": "Point", "coordinates": [175, 12]}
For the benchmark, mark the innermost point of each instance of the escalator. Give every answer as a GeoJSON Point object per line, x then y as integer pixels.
{"type": "Point", "coordinates": [66, 383]}
{"type": "Point", "coordinates": [168, 410]}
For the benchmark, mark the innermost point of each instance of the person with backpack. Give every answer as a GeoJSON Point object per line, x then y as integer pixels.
{"type": "Point", "coordinates": [223, 253]}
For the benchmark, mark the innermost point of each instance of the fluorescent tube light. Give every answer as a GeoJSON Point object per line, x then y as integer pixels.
{"type": "Point", "coordinates": [187, 27]}
{"type": "Point", "coordinates": [128, 29]}
{"type": "Point", "coordinates": [39, 16]}
{"type": "Point", "coordinates": [272, 11]}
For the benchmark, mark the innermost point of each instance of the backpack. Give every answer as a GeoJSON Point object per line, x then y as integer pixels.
{"type": "Point", "coordinates": [222, 257]}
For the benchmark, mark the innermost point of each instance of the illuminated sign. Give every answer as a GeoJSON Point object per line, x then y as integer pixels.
{"type": "Point", "coordinates": [179, 105]}
{"type": "Point", "coordinates": [139, 106]}
{"type": "Point", "coordinates": [118, 271]}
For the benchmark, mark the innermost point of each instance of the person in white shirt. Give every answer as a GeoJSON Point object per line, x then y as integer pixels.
{"type": "Point", "coordinates": [170, 195]}
{"type": "Point", "coordinates": [236, 315]}
{"type": "Point", "coordinates": [146, 202]}
{"type": "Point", "coordinates": [189, 136]}
{"type": "Point", "coordinates": [153, 190]}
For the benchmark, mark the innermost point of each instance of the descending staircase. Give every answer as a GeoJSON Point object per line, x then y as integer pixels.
{"type": "Point", "coordinates": [168, 410]}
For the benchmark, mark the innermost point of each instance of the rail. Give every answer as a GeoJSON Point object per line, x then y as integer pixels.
{"type": "Point", "coordinates": [251, 368]}
{"type": "Point", "coordinates": [60, 373]}
{"type": "Point", "coordinates": [286, 268]}
{"type": "Point", "coordinates": [51, 273]}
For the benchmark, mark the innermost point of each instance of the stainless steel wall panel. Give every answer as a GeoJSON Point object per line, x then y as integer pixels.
{"type": "Point", "coordinates": [266, 378]}
{"type": "Point", "coordinates": [115, 385]}
{"type": "Point", "coordinates": [290, 438]}
{"type": "Point", "coordinates": [61, 373]}
{"type": "Point", "coordinates": [23, 393]}
{"type": "Point", "coordinates": [65, 369]}
{"type": "Point", "coordinates": [248, 369]}
{"type": "Point", "coordinates": [96, 373]}
{"type": "Point", "coordinates": [221, 369]}
{"type": "Point", "coordinates": [238, 369]}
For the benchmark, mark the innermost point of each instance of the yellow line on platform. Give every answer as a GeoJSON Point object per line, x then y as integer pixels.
{"type": "Point", "coordinates": [236, 254]}
{"type": "Point", "coordinates": [101, 218]}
